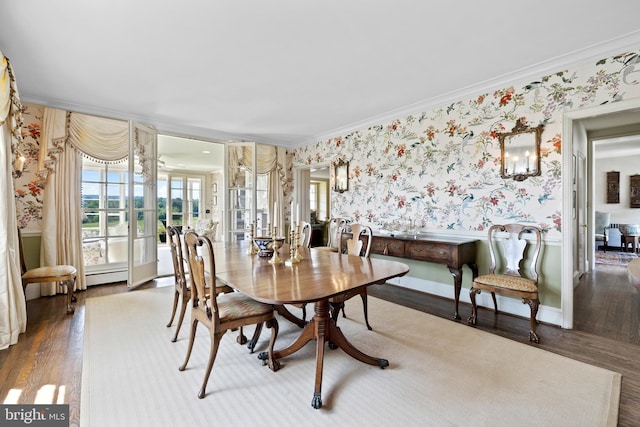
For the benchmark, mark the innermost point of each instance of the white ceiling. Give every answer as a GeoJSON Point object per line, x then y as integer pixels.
{"type": "Point", "coordinates": [292, 72]}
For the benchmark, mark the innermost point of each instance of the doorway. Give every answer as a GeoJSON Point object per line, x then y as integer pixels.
{"type": "Point", "coordinates": [585, 125]}
{"type": "Point", "coordinates": [190, 175]}
{"type": "Point", "coordinates": [313, 194]}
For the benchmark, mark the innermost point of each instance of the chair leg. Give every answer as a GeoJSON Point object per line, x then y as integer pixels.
{"type": "Point", "coordinates": [242, 338]}
{"type": "Point", "coordinates": [192, 337]}
{"type": "Point", "coordinates": [474, 308]}
{"type": "Point", "coordinates": [495, 303]}
{"type": "Point", "coordinates": [533, 323]}
{"type": "Point", "coordinates": [213, 351]}
{"type": "Point", "coordinates": [335, 308]}
{"type": "Point", "coordinates": [71, 287]}
{"type": "Point", "coordinates": [304, 311]}
{"type": "Point", "coordinates": [274, 365]}
{"type": "Point", "coordinates": [176, 297]}
{"type": "Point", "coordinates": [183, 309]}
{"type": "Point", "coordinates": [366, 311]}
{"type": "Point", "coordinates": [254, 339]}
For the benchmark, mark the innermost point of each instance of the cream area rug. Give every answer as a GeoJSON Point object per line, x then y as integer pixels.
{"type": "Point", "coordinates": [441, 373]}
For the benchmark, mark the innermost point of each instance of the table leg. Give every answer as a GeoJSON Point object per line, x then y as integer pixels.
{"type": "Point", "coordinates": [322, 328]}
{"type": "Point", "coordinates": [457, 286]}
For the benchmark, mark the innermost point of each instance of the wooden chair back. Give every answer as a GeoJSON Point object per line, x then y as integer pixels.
{"type": "Point", "coordinates": [360, 242]}
{"type": "Point", "coordinates": [305, 234]}
{"type": "Point", "coordinates": [507, 244]}
{"type": "Point", "coordinates": [178, 258]}
{"type": "Point", "coordinates": [197, 272]}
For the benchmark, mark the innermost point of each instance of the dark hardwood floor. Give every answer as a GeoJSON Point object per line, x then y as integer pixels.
{"type": "Point", "coordinates": [46, 363]}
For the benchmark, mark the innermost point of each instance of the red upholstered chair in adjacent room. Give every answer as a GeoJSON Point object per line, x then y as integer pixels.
{"type": "Point", "coordinates": [507, 244]}
{"type": "Point", "coordinates": [64, 274]}
{"type": "Point", "coordinates": [220, 312]}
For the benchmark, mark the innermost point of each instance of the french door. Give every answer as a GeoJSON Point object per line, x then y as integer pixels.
{"type": "Point", "coordinates": [142, 205]}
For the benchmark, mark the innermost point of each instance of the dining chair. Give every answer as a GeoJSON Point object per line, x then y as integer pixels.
{"type": "Point", "coordinates": [358, 245]}
{"type": "Point", "coordinates": [220, 312]}
{"type": "Point", "coordinates": [509, 246]}
{"type": "Point", "coordinates": [64, 274]}
{"type": "Point", "coordinates": [182, 285]}
{"type": "Point", "coordinates": [305, 234]}
{"type": "Point", "coordinates": [333, 237]}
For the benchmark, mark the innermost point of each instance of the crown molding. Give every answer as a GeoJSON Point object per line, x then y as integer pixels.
{"type": "Point", "coordinates": [630, 41]}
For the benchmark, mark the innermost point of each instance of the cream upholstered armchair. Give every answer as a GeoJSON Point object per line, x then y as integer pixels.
{"type": "Point", "coordinates": [207, 227]}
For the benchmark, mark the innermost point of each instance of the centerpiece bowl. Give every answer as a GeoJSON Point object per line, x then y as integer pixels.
{"type": "Point", "coordinates": [265, 245]}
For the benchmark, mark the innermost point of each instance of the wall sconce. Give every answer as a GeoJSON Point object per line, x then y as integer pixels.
{"type": "Point", "coordinates": [18, 164]}
{"type": "Point", "coordinates": [520, 150]}
{"type": "Point", "coordinates": [341, 176]}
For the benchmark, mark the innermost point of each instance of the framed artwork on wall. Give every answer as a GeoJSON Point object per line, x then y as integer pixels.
{"type": "Point", "coordinates": [634, 190]}
{"type": "Point", "coordinates": [613, 187]}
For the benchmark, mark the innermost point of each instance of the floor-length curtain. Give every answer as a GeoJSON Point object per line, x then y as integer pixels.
{"type": "Point", "coordinates": [61, 214]}
{"type": "Point", "coordinates": [62, 220]}
{"type": "Point", "coordinates": [303, 194]}
{"type": "Point", "coordinates": [13, 314]}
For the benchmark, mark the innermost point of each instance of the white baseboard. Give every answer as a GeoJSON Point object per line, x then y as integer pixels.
{"type": "Point", "coordinates": [110, 277]}
{"type": "Point", "coordinates": [513, 306]}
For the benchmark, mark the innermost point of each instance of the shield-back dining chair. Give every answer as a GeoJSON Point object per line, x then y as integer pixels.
{"type": "Point", "coordinates": [358, 245]}
{"type": "Point", "coordinates": [219, 312]}
{"type": "Point", "coordinates": [508, 274]}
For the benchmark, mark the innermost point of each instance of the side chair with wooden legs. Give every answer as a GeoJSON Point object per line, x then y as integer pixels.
{"type": "Point", "coordinates": [358, 247]}
{"type": "Point", "coordinates": [220, 312]}
{"type": "Point", "coordinates": [182, 286]}
{"type": "Point", "coordinates": [508, 274]}
{"type": "Point", "coordinates": [64, 274]}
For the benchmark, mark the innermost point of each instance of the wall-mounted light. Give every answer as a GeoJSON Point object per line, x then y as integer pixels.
{"type": "Point", "coordinates": [18, 164]}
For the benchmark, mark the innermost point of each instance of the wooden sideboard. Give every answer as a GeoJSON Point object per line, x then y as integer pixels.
{"type": "Point", "coordinates": [452, 251]}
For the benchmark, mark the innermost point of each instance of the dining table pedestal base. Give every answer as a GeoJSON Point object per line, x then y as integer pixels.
{"type": "Point", "coordinates": [323, 329]}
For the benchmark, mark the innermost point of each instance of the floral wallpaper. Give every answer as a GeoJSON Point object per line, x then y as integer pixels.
{"type": "Point", "coordinates": [440, 169]}
{"type": "Point", "coordinates": [27, 187]}
{"type": "Point", "coordinates": [436, 169]}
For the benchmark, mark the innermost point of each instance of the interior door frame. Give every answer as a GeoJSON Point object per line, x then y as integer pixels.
{"type": "Point", "coordinates": [301, 194]}
{"type": "Point", "coordinates": [569, 231]}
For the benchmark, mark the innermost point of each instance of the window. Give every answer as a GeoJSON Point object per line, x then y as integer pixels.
{"type": "Point", "coordinates": [185, 196]}
{"type": "Point", "coordinates": [313, 196]}
{"type": "Point", "coordinates": [104, 222]}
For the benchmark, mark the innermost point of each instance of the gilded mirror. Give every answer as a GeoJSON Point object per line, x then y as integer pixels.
{"type": "Point", "coordinates": [520, 151]}
{"type": "Point", "coordinates": [341, 176]}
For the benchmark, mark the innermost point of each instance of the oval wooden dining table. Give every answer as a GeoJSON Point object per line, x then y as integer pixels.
{"type": "Point", "coordinates": [318, 277]}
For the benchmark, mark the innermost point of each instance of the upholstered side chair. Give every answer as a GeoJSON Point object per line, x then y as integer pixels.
{"type": "Point", "coordinates": [220, 312]}
{"type": "Point", "coordinates": [64, 274]}
{"type": "Point", "coordinates": [508, 274]}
